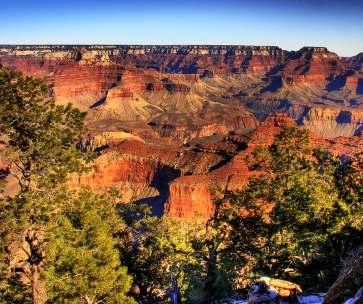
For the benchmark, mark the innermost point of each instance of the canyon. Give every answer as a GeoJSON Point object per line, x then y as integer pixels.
{"type": "Point", "coordinates": [172, 123]}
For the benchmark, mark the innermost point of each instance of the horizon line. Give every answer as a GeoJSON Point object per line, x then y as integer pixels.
{"type": "Point", "coordinates": [166, 45]}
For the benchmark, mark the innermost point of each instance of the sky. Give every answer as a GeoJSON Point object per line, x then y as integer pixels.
{"type": "Point", "coordinates": [290, 24]}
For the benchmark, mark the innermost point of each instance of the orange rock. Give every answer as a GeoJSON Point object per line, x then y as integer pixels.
{"type": "Point", "coordinates": [167, 97]}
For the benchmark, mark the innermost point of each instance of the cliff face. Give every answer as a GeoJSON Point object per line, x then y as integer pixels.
{"type": "Point", "coordinates": [83, 85]}
{"type": "Point", "coordinates": [192, 59]}
{"type": "Point", "coordinates": [312, 65]}
{"type": "Point", "coordinates": [191, 196]}
{"type": "Point", "coordinates": [332, 122]}
{"type": "Point", "coordinates": [171, 121]}
{"type": "Point", "coordinates": [183, 88]}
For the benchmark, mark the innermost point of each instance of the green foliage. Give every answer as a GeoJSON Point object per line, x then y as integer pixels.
{"type": "Point", "coordinates": [83, 263]}
{"type": "Point", "coordinates": [233, 238]}
{"type": "Point", "coordinates": [12, 292]}
{"type": "Point", "coordinates": [317, 210]}
{"type": "Point", "coordinates": [297, 219]}
{"type": "Point", "coordinates": [214, 248]}
{"type": "Point", "coordinates": [154, 248]}
{"type": "Point", "coordinates": [349, 181]}
{"type": "Point", "coordinates": [40, 146]}
{"type": "Point", "coordinates": [287, 154]}
{"type": "Point", "coordinates": [40, 135]}
{"type": "Point", "coordinates": [23, 219]}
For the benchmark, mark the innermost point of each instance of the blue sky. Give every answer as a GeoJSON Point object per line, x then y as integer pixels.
{"type": "Point", "coordinates": [290, 24]}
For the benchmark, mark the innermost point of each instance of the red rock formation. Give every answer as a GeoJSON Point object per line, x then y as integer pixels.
{"type": "Point", "coordinates": [312, 64]}
{"type": "Point", "coordinates": [190, 196]}
{"type": "Point", "coordinates": [340, 145]}
{"type": "Point", "coordinates": [178, 95]}
{"type": "Point", "coordinates": [334, 122]}
{"type": "Point", "coordinates": [141, 172]}
{"type": "Point", "coordinates": [83, 84]}
{"type": "Point", "coordinates": [128, 161]}
{"type": "Point", "coordinates": [172, 78]}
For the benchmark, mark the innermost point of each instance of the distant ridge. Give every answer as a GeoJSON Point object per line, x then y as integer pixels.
{"type": "Point", "coordinates": [183, 49]}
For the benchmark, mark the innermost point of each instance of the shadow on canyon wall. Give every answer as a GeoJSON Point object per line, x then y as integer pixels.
{"type": "Point", "coordinates": [360, 87]}
{"type": "Point", "coordinates": [359, 131]}
{"type": "Point", "coordinates": [344, 117]}
{"type": "Point", "coordinates": [275, 84]}
{"type": "Point", "coordinates": [98, 102]}
{"type": "Point", "coordinates": [163, 176]}
{"type": "Point", "coordinates": [337, 84]}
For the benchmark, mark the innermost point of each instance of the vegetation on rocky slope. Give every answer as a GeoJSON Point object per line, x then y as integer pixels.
{"type": "Point", "coordinates": [298, 218]}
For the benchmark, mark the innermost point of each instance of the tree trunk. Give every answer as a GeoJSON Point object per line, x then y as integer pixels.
{"type": "Point", "coordinates": [89, 300]}
{"type": "Point", "coordinates": [38, 287]}
{"type": "Point", "coordinates": [35, 238]}
{"type": "Point", "coordinates": [211, 274]}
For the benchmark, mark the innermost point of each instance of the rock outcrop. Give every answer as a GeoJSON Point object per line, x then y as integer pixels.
{"type": "Point", "coordinates": [194, 83]}
{"type": "Point", "coordinates": [173, 122]}
{"type": "Point", "coordinates": [270, 290]}
{"type": "Point", "coordinates": [191, 196]}
{"type": "Point", "coordinates": [312, 64]}
{"type": "Point", "coordinates": [334, 122]}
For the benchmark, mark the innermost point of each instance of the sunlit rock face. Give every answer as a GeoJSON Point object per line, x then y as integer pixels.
{"type": "Point", "coordinates": [192, 196]}
{"type": "Point", "coordinates": [312, 64]}
{"type": "Point", "coordinates": [171, 123]}
{"type": "Point", "coordinates": [334, 122]}
{"type": "Point", "coordinates": [191, 89]}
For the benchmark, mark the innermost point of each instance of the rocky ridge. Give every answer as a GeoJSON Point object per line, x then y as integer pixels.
{"type": "Point", "coordinates": [180, 181]}
{"type": "Point", "coordinates": [172, 122]}
{"type": "Point", "coordinates": [183, 87]}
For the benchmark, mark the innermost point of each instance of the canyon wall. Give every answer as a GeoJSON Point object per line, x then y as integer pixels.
{"type": "Point", "coordinates": [171, 123]}
{"type": "Point", "coordinates": [184, 87]}
{"type": "Point", "coordinates": [180, 181]}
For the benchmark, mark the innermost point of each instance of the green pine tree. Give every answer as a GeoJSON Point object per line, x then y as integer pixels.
{"type": "Point", "coordinates": [316, 212]}
{"type": "Point", "coordinates": [83, 262]}
{"type": "Point", "coordinates": [156, 248]}
{"type": "Point", "coordinates": [297, 219]}
{"type": "Point", "coordinates": [40, 146]}
{"type": "Point", "coordinates": [40, 136]}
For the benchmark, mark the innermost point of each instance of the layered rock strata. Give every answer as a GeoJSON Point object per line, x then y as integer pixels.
{"type": "Point", "coordinates": [167, 85]}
